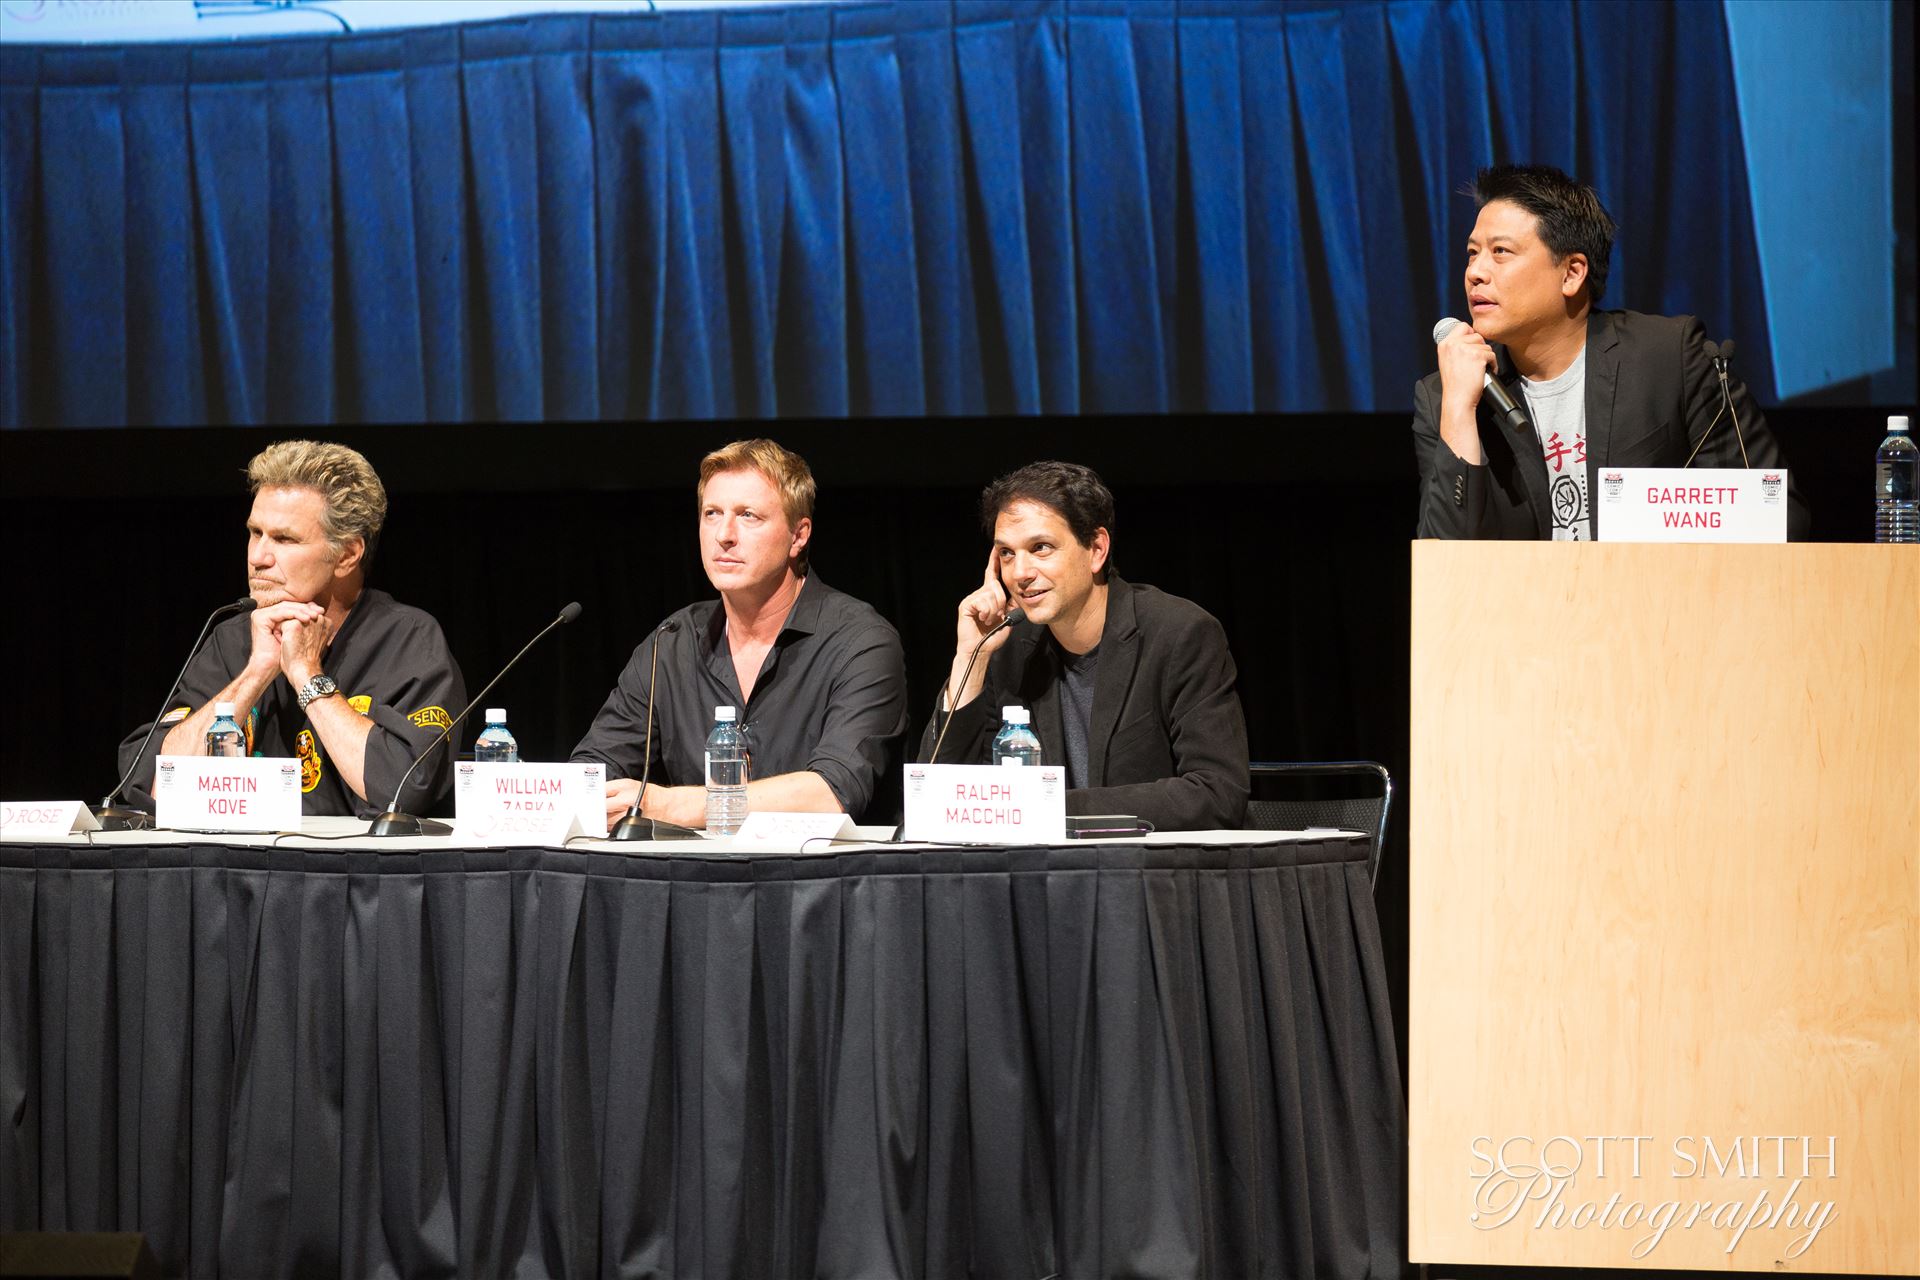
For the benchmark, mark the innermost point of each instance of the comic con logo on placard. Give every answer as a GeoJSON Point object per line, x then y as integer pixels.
{"type": "Point", "coordinates": [1612, 482]}
{"type": "Point", "coordinates": [1771, 483]}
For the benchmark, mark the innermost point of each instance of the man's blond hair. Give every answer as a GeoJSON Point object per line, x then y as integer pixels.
{"type": "Point", "coordinates": [356, 501]}
{"type": "Point", "coordinates": [784, 469]}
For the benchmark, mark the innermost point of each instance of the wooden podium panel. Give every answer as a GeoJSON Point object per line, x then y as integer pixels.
{"type": "Point", "coordinates": [1665, 900]}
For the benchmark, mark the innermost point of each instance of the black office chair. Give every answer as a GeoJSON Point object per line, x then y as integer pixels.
{"type": "Point", "coordinates": [1352, 794]}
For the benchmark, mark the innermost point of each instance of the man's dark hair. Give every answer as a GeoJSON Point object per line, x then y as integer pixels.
{"type": "Point", "coordinates": [1572, 219]}
{"type": "Point", "coordinates": [1067, 487]}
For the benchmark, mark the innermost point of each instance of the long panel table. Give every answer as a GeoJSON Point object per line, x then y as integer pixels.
{"type": "Point", "coordinates": [1170, 1057]}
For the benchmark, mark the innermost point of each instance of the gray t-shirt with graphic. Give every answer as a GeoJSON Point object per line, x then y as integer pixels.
{"type": "Point", "coordinates": [1559, 411]}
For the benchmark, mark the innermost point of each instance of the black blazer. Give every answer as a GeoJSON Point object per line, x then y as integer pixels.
{"type": "Point", "coordinates": [1167, 739]}
{"type": "Point", "coordinates": [1651, 393]}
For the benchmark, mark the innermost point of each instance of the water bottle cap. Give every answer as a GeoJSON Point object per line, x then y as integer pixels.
{"type": "Point", "coordinates": [496, 715]}
{"type": "Point", "coordinates": [724, 714]}
{"type": "Point", "coordinates": [223, 710]}
{"type": "Point", "coordinates": [1014, 715]}
{"type": "Point", "coordinates": [1898, 422]}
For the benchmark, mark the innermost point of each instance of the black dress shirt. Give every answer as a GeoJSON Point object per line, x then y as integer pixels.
{"type": "Point", "coordinates": [831, 699]}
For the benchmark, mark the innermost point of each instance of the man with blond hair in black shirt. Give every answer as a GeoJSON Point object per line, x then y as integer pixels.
{"type": "Point", "coordinates": [818, 678]}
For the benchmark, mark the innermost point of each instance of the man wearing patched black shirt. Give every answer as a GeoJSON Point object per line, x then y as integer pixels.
{"type": "Point", "coordinates": [817, 677]}
{"type": "Point", "coordinates": [325, 668]}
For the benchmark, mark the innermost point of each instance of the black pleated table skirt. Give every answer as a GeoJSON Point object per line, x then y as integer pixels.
{"type": "Point", "coordinates": [1160, 1059]}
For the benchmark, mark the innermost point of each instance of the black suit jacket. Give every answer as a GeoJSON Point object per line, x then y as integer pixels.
{"type": "Point", "coordinates": [1167, 740]}
{"type": "Point", "coordinates": [1651, 394]}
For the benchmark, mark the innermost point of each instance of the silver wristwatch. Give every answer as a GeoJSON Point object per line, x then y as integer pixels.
{"type": "Point", "coordinates": [321, 686]}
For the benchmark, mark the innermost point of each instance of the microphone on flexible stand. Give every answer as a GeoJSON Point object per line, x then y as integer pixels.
{"type": "Point", "coordinates": [395, 823]}
{"type": "Point", "coordinates": [1721, 354]}
{"type": "Point", "coordinates": [1508, 412]}
{"type": "Point", "coordinates": [1013, 616]}
{"type": "Point", "coordinates": [112, 817]}
{"type": "Point", "coordinates": [633, 826]}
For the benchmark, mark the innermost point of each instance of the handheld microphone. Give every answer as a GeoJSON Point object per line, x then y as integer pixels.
{"type": "Point", "coordinates": [632, 826]}
{"type": "Point", "coordinates": [1013, 616]}
{"type": "Point", "coordinates": [110, 816]}
{"type": "Point", "coordinates": [396, 823]}
{"type": "Point", "coordinates": [1508, 412]}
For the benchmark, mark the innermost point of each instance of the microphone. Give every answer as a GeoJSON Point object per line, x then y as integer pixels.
{"type": "Point", "coordinates": [110, 816]}
{"type": "Point", "coordinates": [1509, 412]}
{"type": "Point", "coordinates": [1013, 616]}
{"type": "Point", "coordinates": [1721, 354]}
{"type": "Point", "coordinates": [395, 823]}
{"type": "Point", "coordinates": [632, 826]}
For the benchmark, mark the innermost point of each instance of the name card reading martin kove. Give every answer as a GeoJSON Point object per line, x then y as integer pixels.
{"type": "Point", "coordinates": [227, 793]}
{"type": "Point", "coordinates": [528, 803]}
{"type": "Point", "coordinates": [985, 803]}
{"type": "Point", "coordinates": [1677, 504]}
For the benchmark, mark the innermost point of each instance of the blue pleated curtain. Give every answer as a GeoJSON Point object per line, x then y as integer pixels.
{"type": "Point", "coordinates": [911, 208]}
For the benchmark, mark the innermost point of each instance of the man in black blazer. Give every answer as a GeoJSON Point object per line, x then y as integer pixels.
{"type": "Point", "coordinates": [1130, 688]}
{"type": "Point", "coordinates": [1593, 388]}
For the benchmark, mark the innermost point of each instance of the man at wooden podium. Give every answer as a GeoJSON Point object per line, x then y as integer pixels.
{"type": "Point", "coordinates": [1540, 390]}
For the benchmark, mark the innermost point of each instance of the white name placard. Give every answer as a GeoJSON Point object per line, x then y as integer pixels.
{"type": "Point", "coordinates": [36, 819]}
{"type": "Point", "coordinates": [528, 803]}
{"type": "Point", "coordinates": [985, 803]}
{"type": "Point", "coordinates": [792, 832]}
{"type": "Point", "coordinates": [226, 793]}
{"type": "Point", "coordinates": [1673, 504]}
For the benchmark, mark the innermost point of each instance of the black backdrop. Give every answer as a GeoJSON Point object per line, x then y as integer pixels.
{"type": "Point", "coordinates": [1293, 531]}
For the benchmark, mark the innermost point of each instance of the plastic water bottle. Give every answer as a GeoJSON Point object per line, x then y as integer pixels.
{"type": "Point", "coordinates": [1016, 742]}
{"type": "Point", "coordinates": [225, 737]}
{"type": "Point", "coordinates": [726, 774]}
{"type": "Point", "coordinates": [495, 745]}
{"type": "Point", "coordinates": [1896, 507]}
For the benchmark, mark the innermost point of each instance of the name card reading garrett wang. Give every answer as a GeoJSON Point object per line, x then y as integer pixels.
{"type": "Point", "coordinates": [31, 819]}
{"type": "Point", "coordinates": [1675, 504]}
{"type": "Point", "coordinates": [985, 803]}
{"type": "Point", "coordinates": [528, 803]}
{"type": "Point", "coordinates": [227, 793]}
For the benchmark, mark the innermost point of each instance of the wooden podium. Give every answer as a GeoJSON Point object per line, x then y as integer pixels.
{"type": "Point", "coordinates": [1665, 921]}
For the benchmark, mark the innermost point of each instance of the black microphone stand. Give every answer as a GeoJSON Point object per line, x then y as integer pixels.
{"type": "Point", "coordinates": [396, 823]}
{"type": "Point", "coordinates": [633, 826]}
{"type": "Point", "coordinates": [1013, 616]}
{"type": "Point", "coordinates": [112, 817]}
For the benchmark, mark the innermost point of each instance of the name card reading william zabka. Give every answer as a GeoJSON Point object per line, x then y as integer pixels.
{"type": "Point", "coordinates": [1679, 504]}
{"type": "Point", "coordinates": [985, 803]}
{"type": "Point", "coordinates": [528, 803]}
{"type": "Point", "coordinates": [227, 793]}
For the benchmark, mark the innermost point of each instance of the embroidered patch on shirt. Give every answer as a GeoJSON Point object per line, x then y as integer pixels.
{"type": "Point", "coordinates": [176, 715]}
{"type": "Point", "coordinates": [431, 717]}
{"type": "Point", "coordinates": [360, 702]}
{"type": "Point", "coordinates": [311, 763]}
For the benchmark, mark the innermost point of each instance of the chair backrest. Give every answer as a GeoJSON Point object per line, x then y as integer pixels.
{"type": "Point", "coordinates": [1353, 794]}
